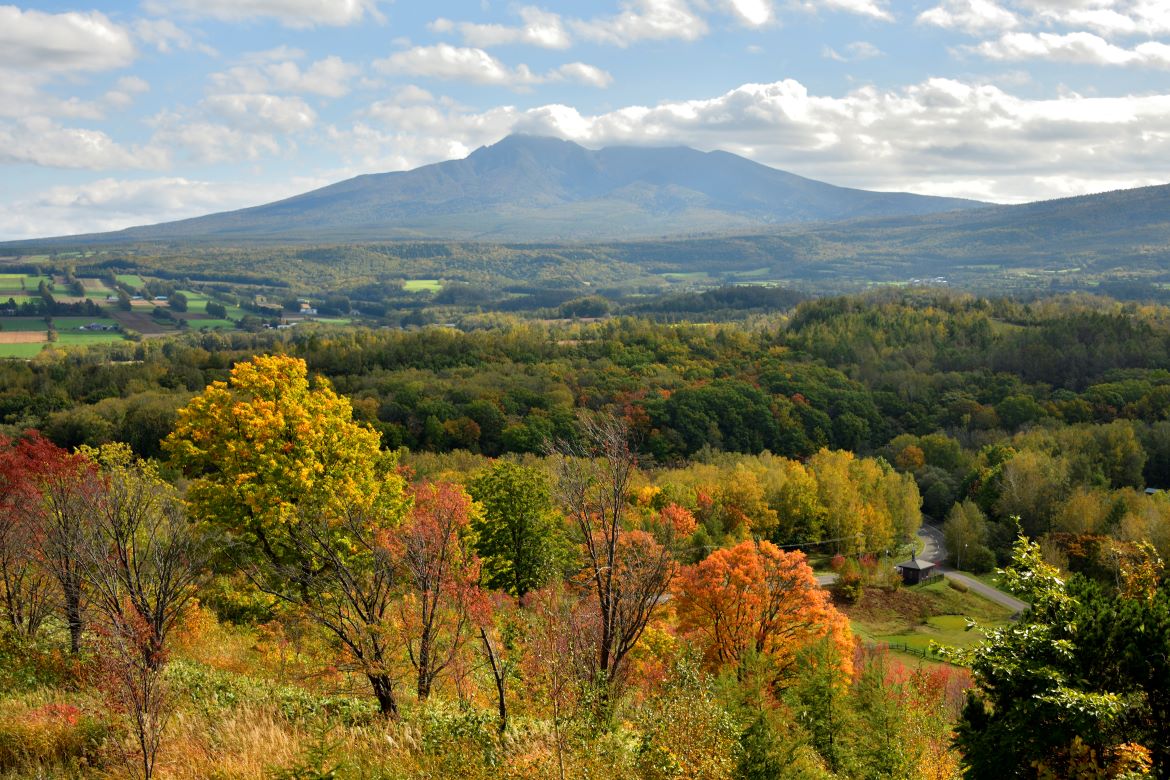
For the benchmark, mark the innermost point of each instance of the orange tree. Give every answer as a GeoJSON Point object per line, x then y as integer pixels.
{"type": "Point", "coordinates": [756, 599]}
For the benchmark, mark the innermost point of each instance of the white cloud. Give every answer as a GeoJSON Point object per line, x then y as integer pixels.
{"type": "Point", "coordinates": [41, 141]}
{"type": "Point", "coordinates": [39, 42]}
{"type": "Point", "coordinates": [164, 35]}
{"type": "Point", "coordinates": [582, 73]}
{"type": "Point", "coordinates": [537, 28]}
{"type": "Point", "coordinates": [858, 50]}
{"type": "Point", "coordinates": [328, 77]}
{"type": "Point", "coordinates": [754, 13]}
{"type": "Point", "coordinates": [261, 112]}
{"type": "Point", "coordinates": [970, 16]}
{"type": "Point", "coordinates": [871, 8]}
{"type": "Point", "coordinates": [205, 141]}
{"type": "Point", "coordinates": [476, 66]}
{"type": "Point", "coordinates": [940, 136]}
{"type": "Point", "coordinates": [113, 204]}
{"type": "Point", "coordinates": [644, 20]}
{"type": "Point", "coordinates": [1077, 47]}
{"type": "Point", "coordinates": [291, 13]}
{"type": "Point", "coordinates": [122, 96]}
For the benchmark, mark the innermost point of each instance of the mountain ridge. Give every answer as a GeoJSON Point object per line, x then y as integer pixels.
{"type": "Point", "coordinates": [527, 187]}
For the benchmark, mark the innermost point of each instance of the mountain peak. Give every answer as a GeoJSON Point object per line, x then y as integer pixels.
{"type": "Point", "coordinates": [537, 187]}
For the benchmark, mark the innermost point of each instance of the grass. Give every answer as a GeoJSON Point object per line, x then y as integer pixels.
{"type": "Point", "coordinates": [689, 276]}
{"type": "Point", "coordinates": [422, 285]}
{"type": "Point", "coordinates": [922, 614]}
{"type": "Point", "coordinates": [20, 351]}
{"type": "Point", "coordinates": [131, 280]}
{"type": "Point", "coordinates": [23, 323]}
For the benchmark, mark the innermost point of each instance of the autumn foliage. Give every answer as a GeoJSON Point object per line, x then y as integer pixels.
{"type": "Point", "coordinates": [756, 598]}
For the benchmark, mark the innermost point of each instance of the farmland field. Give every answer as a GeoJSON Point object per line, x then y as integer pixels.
{"type": "Point", "coordinates": [422, 285]}
{"type": "Point", "coordinates": [134, 281]}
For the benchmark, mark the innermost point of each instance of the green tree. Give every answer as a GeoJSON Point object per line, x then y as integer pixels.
{"type": "Point", "coordinates": [1032, 705]}
{"type": "Point", "coordinates": [519, 537]}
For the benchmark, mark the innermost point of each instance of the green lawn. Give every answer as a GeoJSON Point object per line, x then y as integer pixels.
{"type": "Point", "coordinates": [23, 351]}
{"type": "Point", "coordinates": [422, 285]}
{"type": "Point", "coordinates": [22, 323]}
{"type": "Point", "coordinates": [210, 324]}
{"type": "Point", "coordinates": [915, 617]}
{"type": "Point", "coordinates": [134, 281]}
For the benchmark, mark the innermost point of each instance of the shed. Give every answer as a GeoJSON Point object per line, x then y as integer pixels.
{"type": "Point", "coordinates": [915, 571]}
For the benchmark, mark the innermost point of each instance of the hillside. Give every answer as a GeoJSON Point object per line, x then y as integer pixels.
{"type": "Point", "coordinates": [531, 188]}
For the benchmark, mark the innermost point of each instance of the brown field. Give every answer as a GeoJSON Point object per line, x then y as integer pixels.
{"type": "Point", "coordinates": [143, 323]}
{"type": "Point", "coordinates": [22, 336]}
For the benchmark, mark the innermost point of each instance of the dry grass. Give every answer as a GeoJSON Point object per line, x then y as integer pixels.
{"type": "Point", "coordinates": [22, 337]}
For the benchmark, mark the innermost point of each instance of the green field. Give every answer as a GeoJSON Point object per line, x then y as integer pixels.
{"type": "Point", "coordinates": [689, 276]}
{"type": "Point", "coordinates": [22, 351]}
{"type": "Point", "coordinates": [210, 324]}
{"type": "Point", "coordinates": [22, 323]}
{"type": "Point", "coordinates": [95, 287]}
{"type": "Point", "coordinates": [133, 281]}
{"type": "Point", "coordinates": [422, 285]}
{"type": "Point", "coordinates": [915, 617]}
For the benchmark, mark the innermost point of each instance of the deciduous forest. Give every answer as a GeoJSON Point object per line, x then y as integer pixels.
{"type": "Point", "coordinates": [613, 547]}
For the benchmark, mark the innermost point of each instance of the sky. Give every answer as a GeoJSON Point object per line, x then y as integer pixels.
{"type": "Point", "coordinates": [115, 114]}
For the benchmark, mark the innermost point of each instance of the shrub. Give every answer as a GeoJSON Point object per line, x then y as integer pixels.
{"type": "Point", "coordinates": [51, 733]}
{"type": "Point", "coordinates": [956, 585]}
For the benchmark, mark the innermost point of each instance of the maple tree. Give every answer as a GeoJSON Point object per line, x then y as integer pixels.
{"type": "Point", "coordinates": [65, 486]}
{"type": "Point", "coordinates": [24, 585]}
{"type": "Point", "coordinates": [433, 548]}
{"type": "Point", "coordinates": [754, 598]}
{"type": "Point", "coordinates": [268, 441]}
{"type": "Point", "coordinates": [627, 571]}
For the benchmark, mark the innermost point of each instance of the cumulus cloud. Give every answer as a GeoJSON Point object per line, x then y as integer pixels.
{"type": "Point", "coordinates": [113, 204]}
{"type": "Point", "coordinates": [537, 28]}
{"type": "Point", "coordinates": [328, 77]}
{"type": "Point", "coordinates": [34, 41]}
{"type": "Point", "coordinates": [203, 140]}
{"type": "Point", "coordinates": [166, 36]}
{"type": "Point", "coordinates": [291, 13]}
{"type": "Point", "coordinates": [1076, 47]}
{"type": "Point", "coordinates": [455, 63]}
{"type": "Point", "coordinates": [644, 20]}
{"type": "Point", "coordinates": [870, 8]}
{"type": "Point", "coordinates": [42, 141]}
{"type": "Point", "coordinates": [262, 112]}
{"type": "Point", "coordinates": [970, 16]}
{"type": "Point", "coordinates": [858, 50]}
{"type": "Point", "coordinates": [939, 136]}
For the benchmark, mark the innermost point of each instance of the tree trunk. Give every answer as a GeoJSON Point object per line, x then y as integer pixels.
{"type": "Point", "coordinates": [498, 675]}
{"type": "Point", "coordinates": [384, 692]}
{"type": "Point", "coordinates": [73, 615]}
{"type": "Point", "coordinates": [424, 666]}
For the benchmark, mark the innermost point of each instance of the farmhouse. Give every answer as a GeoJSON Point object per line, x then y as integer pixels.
{"type": "Point", "coordinates": [915, 571]}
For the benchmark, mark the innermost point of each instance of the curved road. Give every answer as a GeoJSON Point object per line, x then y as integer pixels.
{"type": "Point", "coordinates": [935, 550]}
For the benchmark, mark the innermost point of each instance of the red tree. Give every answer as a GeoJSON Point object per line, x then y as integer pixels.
{"type": "Point", "coordinates": [755, 597]}
{"type": "Point", "coordinates": [65, 485]}
{"type": "Point", "coordinates": [438, 563]}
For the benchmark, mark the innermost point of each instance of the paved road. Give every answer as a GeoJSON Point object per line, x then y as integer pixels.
{"type": "Point", "coordinates": [936, 550]}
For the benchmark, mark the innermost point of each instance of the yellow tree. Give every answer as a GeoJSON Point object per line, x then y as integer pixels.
{"type": "Point", "coordinates": [305, 497]}
{"type": "Point", "coordinates": [268, 444]}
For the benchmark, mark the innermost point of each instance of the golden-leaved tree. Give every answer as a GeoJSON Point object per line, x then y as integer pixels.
{"type": "Point", "coordinates": [306, 498]}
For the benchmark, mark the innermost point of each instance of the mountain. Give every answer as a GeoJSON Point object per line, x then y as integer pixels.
{"type": "Point", "coordinates": [544, 189]}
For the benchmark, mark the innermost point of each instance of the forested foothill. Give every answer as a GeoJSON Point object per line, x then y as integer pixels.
{"type": "Point", "coordinates": [595, 545]}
